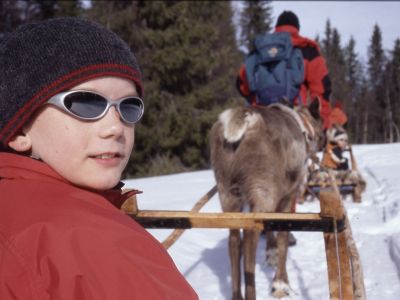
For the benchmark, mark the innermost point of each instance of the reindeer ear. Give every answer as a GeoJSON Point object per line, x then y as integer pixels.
{"type": "Point", "coordinates": [314, 108]}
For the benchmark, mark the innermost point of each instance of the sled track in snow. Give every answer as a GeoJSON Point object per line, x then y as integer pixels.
{"type": "Point", "coordinates": [390, 209]}
{"type": "Point", "coordinates": [394, 251]}
{"type": "Point", "coordinates": [379, 195]}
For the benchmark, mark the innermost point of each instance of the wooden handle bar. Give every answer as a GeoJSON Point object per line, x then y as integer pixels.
{"type": "Point", "coordinates": [232, 220]}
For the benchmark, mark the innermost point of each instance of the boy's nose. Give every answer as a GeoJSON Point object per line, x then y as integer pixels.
{"type": "Point", "coordinates": [111, 124]}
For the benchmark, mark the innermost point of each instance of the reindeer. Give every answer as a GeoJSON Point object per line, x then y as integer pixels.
{"type": "Point", "coordinates": [258, 155]}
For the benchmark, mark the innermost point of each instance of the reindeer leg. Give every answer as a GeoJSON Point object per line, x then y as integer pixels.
{"type": "Point", "coordinates": [231, 203]}
{"type": "Point", "coordinates": [271, 251]}
{"type": "Point", "coordinates": [250, 241]}
{"type": "Point", "coordinates": [280, 284]}
{"type": "Point", "coordinates": [235, 255]}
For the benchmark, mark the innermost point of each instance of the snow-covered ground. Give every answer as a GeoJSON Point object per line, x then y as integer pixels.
{"type": "Point", "coordinates": [202, 255]}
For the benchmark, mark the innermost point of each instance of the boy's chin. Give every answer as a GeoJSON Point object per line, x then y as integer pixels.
{"type": "Point", "coordinates": [102, 184]}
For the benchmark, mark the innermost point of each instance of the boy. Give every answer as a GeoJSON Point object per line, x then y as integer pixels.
{"type": "Point", "coordinates": [70, 94]}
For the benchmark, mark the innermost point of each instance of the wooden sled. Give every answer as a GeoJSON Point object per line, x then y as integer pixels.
{"type": "Point", "coordinates": [348, 182]}
{"type": "Point", "coordinates": [345, 276]}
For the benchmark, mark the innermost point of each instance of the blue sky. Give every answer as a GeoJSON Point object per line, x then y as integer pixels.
{"type": "Point", "coordinates": [356, 18]}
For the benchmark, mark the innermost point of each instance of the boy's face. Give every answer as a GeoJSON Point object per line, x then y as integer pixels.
{"type": "Point", "coordinates": [89, 154]}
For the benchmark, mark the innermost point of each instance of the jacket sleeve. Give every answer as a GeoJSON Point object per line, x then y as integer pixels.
{"type": "Point", "coordinates": [16, 279]}
{"type": "Point", "coordinates": [242, 84]}
{"type": "Point", "coordinates": [317, 81]}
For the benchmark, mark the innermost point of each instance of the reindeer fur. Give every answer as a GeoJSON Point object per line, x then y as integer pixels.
{"type": "Point", "coordinates": [258, 155]}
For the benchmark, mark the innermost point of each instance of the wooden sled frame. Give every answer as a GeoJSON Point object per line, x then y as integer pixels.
{"type": "Point", "coordinates": [354, 189]}
{"type": "Point", "coordinates": [344, 267]}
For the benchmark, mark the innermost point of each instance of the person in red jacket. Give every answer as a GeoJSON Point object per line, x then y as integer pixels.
{"type": "Point", "coordinates": [70, 95]}
{"type": "Point", "coordinates": [317, 83]}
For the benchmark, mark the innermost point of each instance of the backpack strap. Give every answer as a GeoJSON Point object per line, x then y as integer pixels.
{"type": "Point", "coordinates": [250, 66]}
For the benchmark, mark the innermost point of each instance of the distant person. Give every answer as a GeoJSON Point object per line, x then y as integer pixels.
{"type": "Point", "coordinates": [315, 82]}
{"type": "Point", "coordinates": [70, 95]}
{"type": "Point", "coordinates": [337, 115]}
{"type": "Point", "coordinates": [333, 154]}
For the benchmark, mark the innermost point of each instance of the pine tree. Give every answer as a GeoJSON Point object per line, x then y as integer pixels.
{"type": "Point", "coordinates": [16, 12]}
{"type": "Point", "coordinates": [335, 58]}
{"type": "Point", "coordinates": [189, 60]}
{"type": "Point", "coordinates": [353, 78]}
{"type": "Point", "coordinates": [336, 67]}
{"type": "Point", "coordinates": [10, 17]}
{"type": "Point", "coordinates": [376, 57]}
{"type": "Point", "coordinates": [376, 64]}
{"type": "Point", "coordinates": [71, 8]}
{"type": "Point", "coordinates": [393, 90]}
{"type": "Point", "coordinates": [255, 18]}
{"type": "Point", "coordinates": [327, 40]}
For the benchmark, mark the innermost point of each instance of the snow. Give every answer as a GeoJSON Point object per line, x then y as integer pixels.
{"type": "Point", "coordinates": [202, 254]}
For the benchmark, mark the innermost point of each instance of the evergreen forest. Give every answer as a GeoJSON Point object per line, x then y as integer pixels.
{"type": "Point", "coordinates": [190, 52]}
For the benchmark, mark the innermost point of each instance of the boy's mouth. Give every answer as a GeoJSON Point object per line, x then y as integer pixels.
{"type": "Point", "coordinates": [108, 159]}
{"type": "Point", "coordinates": [107, 155]}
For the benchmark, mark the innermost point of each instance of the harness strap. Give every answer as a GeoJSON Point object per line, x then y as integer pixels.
{"type": "Point", "coordinates": [304, 125]}
{"type": "Point", "coordinates": [310, 129]}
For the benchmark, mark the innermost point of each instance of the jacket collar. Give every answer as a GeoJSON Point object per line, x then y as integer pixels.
{"type": "Point", "coordinates": [287, 28]}
{"type": "Point", "coordinates": [297, 39]}
{"type": "Point", "coordinates": [14, 166]}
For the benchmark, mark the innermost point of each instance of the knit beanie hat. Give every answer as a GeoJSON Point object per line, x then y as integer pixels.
{"type": "Point", "coordinates": [41, 59]}
{"type": "Point", "coordinates": [288, 18]}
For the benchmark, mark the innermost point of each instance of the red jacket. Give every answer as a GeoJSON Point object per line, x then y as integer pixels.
{"type": "Point", "coordinates": [58, 241]}
{"type": "Point", "coordinates": [316, 78]}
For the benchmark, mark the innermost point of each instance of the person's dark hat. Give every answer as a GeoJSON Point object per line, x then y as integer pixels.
{"type": "Point", "coordinates": [288, 18]}
{"type": "Point", "coordinates": [41, 59]}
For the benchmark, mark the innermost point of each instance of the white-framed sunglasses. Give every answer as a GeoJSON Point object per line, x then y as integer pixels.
{"type": "Point", "coordinates": [91, 106]}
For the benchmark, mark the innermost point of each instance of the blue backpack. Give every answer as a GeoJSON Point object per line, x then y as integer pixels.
{"type": "Point", "coordinates": [275, 70]}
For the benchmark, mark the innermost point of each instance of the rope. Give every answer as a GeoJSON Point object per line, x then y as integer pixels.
{"type": "Point", "coordinates": [171, 239]}
{"type": "Point", "coordinates": [338, 258]}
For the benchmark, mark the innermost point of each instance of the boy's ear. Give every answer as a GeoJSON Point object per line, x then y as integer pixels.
{"type": "Point", "coordinates": [20, 143]}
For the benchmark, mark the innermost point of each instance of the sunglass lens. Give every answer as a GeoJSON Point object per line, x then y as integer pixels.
{"type": "Point", "coordinates": [85, 104]}
{"type": "Point", "coordinates": [131, 109]}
